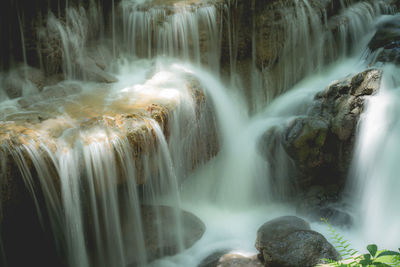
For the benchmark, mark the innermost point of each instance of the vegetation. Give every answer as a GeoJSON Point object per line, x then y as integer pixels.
{"type": "Point", "coordinates": [353, 258]}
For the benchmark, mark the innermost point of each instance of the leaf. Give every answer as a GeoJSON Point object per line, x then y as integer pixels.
{"type": "Point", "coordinates": [380, 264]}
{"type": "Point", "coordinates": [328, 260]}
{"type": "Point", "coordinates": [388, 253]}
{"type": "Point", "coordinates": [372, 249]}
{"type": "Point", "coordinates": [367, 257]}
{"type": "Point", "coordinates": [365, 262]}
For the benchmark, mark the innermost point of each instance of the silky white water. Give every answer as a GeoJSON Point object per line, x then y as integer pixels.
{"type": "Point", "coordinates": [234, 194]}
{"type": "Point", "coordinates": [375, 168]}
{"type": "Point", "coordinates": [155, 56]}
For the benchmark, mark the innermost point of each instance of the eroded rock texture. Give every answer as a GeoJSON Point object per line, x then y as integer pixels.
{"type": "Point", "coordinates": [321, 143]}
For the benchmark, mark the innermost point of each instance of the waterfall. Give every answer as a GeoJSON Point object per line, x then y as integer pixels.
{"type": "Point", "coordinates": [88, 170]}
{"type": "Point", "coordinates": [171, 31]}
{"type": "Point", "coordinates": [174, 106]}
{"type": "Point", "coordinates": [374, 180]}
{"type": "Point", "coordinates": [312, 40]}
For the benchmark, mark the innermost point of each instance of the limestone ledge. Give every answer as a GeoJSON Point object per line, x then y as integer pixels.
{"type": "Point", "coordinates": [47, 135]}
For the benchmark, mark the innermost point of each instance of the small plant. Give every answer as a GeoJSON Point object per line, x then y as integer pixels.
{"type": "Point", "coordinates": [340, 243]}
{"type": "Point", "coordinates": [352, 257]}
{"type": "Point", "coordinates": [375, 258]}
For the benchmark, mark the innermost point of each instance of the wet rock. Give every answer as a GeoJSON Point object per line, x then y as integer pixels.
{"type": "Point", "coordinates": [321, 143]}
{"type": "Point", "coordinates": [212, 259]}
{"type": "Point", "coordinates": [23, 80]}
{"type": "Point", "coordinates": [54, 79]}
{"type": "Point", "coordinates": [336, 216]}
{"type": "Point", "coordinates": [390, 54]}
{"type": "Point", "coordinates": [386, 41]}
{"type": "Point", "coordinates": [388, 31]}
{"type": "Point", "coordinates": [60, 90]}
{"type": "Point", "coordinates": [34, 75]}
{"type": "Point", "coordinates": [289, 241]}
{"type": "Point", "coordinates": [57, 91]}
{"type": "Point", "coordinates": [13, 86]}
{"type": "Point", "coordinates": [306, 137]}
{"type": "Point", "coordinates": [263, 28]}
{"type": "Point", "coordinates": [224, 259]}
{"type": "Point", "coordinates": [101, 56]}
{"type": "Point", "coordinates": [235, 260]}
{"type": "Point", "coordinates": [162, 230]}
{"type": "Point", "coordinates": [320, 202]}
{"type": "Point", "coordinates": [94, 73]}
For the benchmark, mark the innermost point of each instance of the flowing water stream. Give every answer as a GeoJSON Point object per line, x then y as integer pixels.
{"type": "Point", "coordinates": [375, 169]}
{"type": "Point", "coordinates": [155, 52]}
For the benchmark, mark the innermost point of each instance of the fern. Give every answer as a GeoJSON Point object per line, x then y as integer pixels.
{"type": "Point", "coordinates": [372, 258]}
{"type": "Point", "coordinates": [396, 260]}
{"type": "Point", "coordinates": [342, 245]}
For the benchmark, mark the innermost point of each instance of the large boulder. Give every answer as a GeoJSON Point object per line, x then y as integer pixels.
{"type": "Point", "coordinates": [167, 230]}
{"type": "Point", "coordinates": [321, 142]}
{"type": "Point", "coordinates": [289, 242]}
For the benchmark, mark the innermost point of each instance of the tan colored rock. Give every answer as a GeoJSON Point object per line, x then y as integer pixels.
{"type": "Point", "coordinates": [236, 260]}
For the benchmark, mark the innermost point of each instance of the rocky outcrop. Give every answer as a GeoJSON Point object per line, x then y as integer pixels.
{"type": "Point", "coordinates": [289, 242]}
{"type": "Point", "coordinates": [65, 116]}
{"type": "Point", "coordinates": [321, 143]}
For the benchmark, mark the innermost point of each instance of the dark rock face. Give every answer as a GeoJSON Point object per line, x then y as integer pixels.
{"type": "Point", "coordinates": [388, 31]}
{"type": "Point", "coordinates": [320, 202]}
{"type": "Point", "coordinates": [26, 239]}
{"type": "Point", "coordinates": [321, 143]}
{"type": "Point", "coordinates": [386, 41]}
{"type": "Point", "coordinates": [29, 12]}
{"type": "Point", "coordinates": [289, 241]}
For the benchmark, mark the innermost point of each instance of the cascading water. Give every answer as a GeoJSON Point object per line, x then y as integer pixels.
{"type": "Point", "coordinates": [94, 208]}
{"type": "Point", "coordinates": [375, 183]}
{"type": "Point", "coordinates": [106, 156]}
